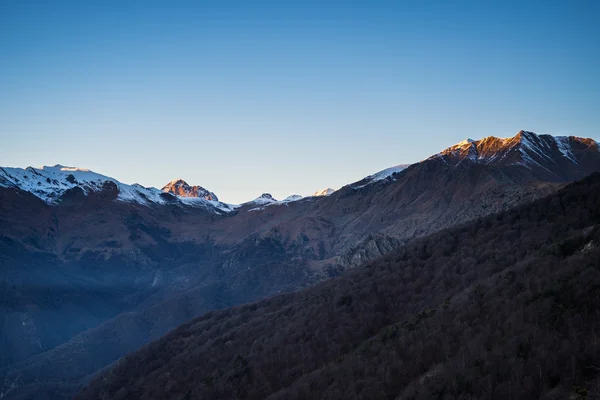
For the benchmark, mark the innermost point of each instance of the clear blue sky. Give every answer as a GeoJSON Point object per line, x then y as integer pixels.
{"type": "Point", "coordinates": [245, 97]}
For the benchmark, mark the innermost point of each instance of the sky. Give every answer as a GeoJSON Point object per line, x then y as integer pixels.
{"type": "Point", "coordinates": [247, 97]}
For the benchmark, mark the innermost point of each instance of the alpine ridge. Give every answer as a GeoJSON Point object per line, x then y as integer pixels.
{"type": "Point", "coordinates": [53, 184]}
{"type": "Point", "coordinates": [555, 157]}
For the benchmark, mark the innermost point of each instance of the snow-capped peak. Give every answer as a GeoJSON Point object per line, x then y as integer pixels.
{"type": "Point", "coordinates": [293, 197]}
{"type": "Point", "coordinates": [324, 192]}
{"type": "Point", "coordinates": [525, 148]}
{"type": "Point", "coordinates": [465, 149]}
{"type": "Point", "coordinates": [180, 188]}
{"type": "Point", "coordinates": [264, 198]}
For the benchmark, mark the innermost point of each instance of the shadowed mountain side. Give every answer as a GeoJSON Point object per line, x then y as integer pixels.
{"type": "Point", "coordinates": [504, 306]}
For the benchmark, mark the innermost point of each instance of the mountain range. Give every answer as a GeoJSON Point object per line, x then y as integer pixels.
{"type": "Point", "coordinates": [94, 268]}
{"type": "Point", "coordinates": [502, 307]}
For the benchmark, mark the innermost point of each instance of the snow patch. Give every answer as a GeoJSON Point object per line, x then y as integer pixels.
{"type": "Point", "coordinates": [564, 145]}
{"type": "Point", "coordinates": [383, 174]}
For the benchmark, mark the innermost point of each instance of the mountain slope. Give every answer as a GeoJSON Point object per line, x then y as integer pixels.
{"type": "Point", "coordinates": [506, 306]}
{"type": "Point", "coordinates": [163, 263]}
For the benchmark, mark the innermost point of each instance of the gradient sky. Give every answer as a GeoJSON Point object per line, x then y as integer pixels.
{"type": "Point", "coordinates": [245, 97]}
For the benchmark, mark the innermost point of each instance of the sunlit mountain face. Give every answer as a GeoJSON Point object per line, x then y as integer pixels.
{"type": "Point", "coordinates": [324, 192]}
{"type": "Point", "coordinates": [556, 154]}
{"type": "Point", "coordinates": [180, 187]}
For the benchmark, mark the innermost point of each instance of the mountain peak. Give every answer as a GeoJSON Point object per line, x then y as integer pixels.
{"type": "Point", "coordinates": [177, 181]}
{"type": "Point", "coordinates": [488, 148]}
{"type": "Point", "coordinates": [553, 154]}
{"type": "Point", "coordinates": [324, 192]}
{"type": "Point", "coordinates": [264, 198]}
{"type": "Point", "coordinates": [181, 188]}
{"type": "Point", "coordinates": [466, 142]}
{"type": "Point", "coordinates": [524, 133]}
{"type": "Point", "coordinates": [293, 197]}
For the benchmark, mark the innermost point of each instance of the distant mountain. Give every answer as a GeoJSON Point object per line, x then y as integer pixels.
{"type": "Point", "coordinates": [50, 183]}
{"type": "Point", "coordinates": [180, 187]}
{"type": "Point", "coordinates": [498, 308]}
{"type": "Point", "coordinates": [264, 198]}
{"type": "Point", "coordinates": [85, 268]}
{"type": "Point", "coordinates": [323, 192]}
{"type": "Point", "coordinates": [293, 197]}
{"type": "Point", "coordinates": [549, 157]}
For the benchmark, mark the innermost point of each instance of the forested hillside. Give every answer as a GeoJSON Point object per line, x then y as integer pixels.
{"type": "Point", "coordinates": [507, 306]}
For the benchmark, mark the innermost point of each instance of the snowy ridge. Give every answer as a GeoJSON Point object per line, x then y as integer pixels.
{"type": "Point", "coordinates": [379, 176]}
{"type": "Point", "coordinates": [49, 183]}
{"type": "Point", "coordinates": [266, 200]}
{"type": "Point", "coordinates": [294, 197]}
{"type": "Point", "coordinates": [383, 174]}
{"type": "Point", "coordinates": [526, 148]}
{"type": "Point", "coordinates": [465, 149]}
{"type": "Point", "coordinates": [531, 142]}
